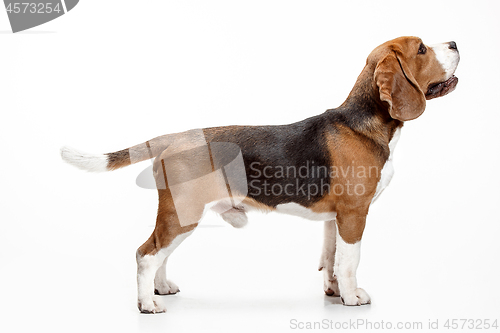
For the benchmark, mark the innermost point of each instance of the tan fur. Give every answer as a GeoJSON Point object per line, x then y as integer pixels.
{"type": "Point", "coordinates": [403, 76]}
{"type": "Point", "coordinates": [360, 169]}
{"type": "Point", "coordinates": [167, 226]}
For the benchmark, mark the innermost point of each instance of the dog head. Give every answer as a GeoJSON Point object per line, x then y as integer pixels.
{"type": "Point", "coordinates": [407, 73]}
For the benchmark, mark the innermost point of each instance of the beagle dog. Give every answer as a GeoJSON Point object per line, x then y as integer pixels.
{"type": "Point", "coordinates": [329, 167]}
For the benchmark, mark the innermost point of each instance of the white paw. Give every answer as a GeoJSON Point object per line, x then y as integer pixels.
{"type": "Point", "coordinates": [356, 297]}
{"type": "Point", "coordinates": [331, 286]}
{"type": "Point", "coordinates": [153, 305]}
{"type": "Point", "coordinates": [330, 283]}
{"type": "Point", "coordinates": [166, 288]}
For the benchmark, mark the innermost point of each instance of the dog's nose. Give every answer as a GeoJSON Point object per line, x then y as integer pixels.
{"type": "Point", "coordinates": [453, 45]}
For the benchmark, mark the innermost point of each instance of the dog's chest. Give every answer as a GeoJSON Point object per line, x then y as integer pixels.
{"type": "Point", "coordinates": [385, 178]}
{"type": "Point", "coordinates": [388, 169]}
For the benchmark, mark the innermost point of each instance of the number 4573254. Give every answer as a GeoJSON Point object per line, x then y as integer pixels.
{"type": "Point", "coordinates": [471, 324]}
{"type": "Point", "coordinates": [33, 8]}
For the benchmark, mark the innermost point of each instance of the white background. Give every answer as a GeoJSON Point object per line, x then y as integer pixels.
{"type": "Point", "coordinates": [111, 74]}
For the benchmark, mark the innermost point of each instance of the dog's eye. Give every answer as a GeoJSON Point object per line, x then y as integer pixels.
{"type": "Point", "coordinates": [422, 49]}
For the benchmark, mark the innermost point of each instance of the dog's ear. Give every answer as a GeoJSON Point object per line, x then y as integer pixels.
{"type": "Point", "coordinates": [398, 88]}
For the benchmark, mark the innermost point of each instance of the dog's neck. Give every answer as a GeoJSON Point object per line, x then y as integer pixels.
{"type": "Point", "coordinates": [364, 112]}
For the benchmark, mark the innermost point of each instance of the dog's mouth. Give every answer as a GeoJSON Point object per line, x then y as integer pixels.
{"type": "Point", "coordinates": [442, 88]}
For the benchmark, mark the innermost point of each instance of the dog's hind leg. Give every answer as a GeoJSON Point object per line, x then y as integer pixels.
{"type": "Point", "coordinates": [152, 255]}
{"type": "Point", "coordinates": [186, 182]}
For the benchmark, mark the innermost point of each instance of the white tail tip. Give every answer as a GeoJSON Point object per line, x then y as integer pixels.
{"type": "Point", "coordinates": [84, 161]}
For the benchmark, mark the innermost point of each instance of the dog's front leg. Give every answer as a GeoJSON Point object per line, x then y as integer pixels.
{"type": "Point", "coordinates": [348, 245]}
{"type": "Point", "coordinates": [330, 285]}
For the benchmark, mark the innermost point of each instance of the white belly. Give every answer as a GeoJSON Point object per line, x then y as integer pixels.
{"type": "Point", "coordinates": [301, 211]}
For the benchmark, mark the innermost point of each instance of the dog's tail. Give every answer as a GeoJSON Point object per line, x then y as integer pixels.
{"type": "Point", "coordinates": [118, 159]}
